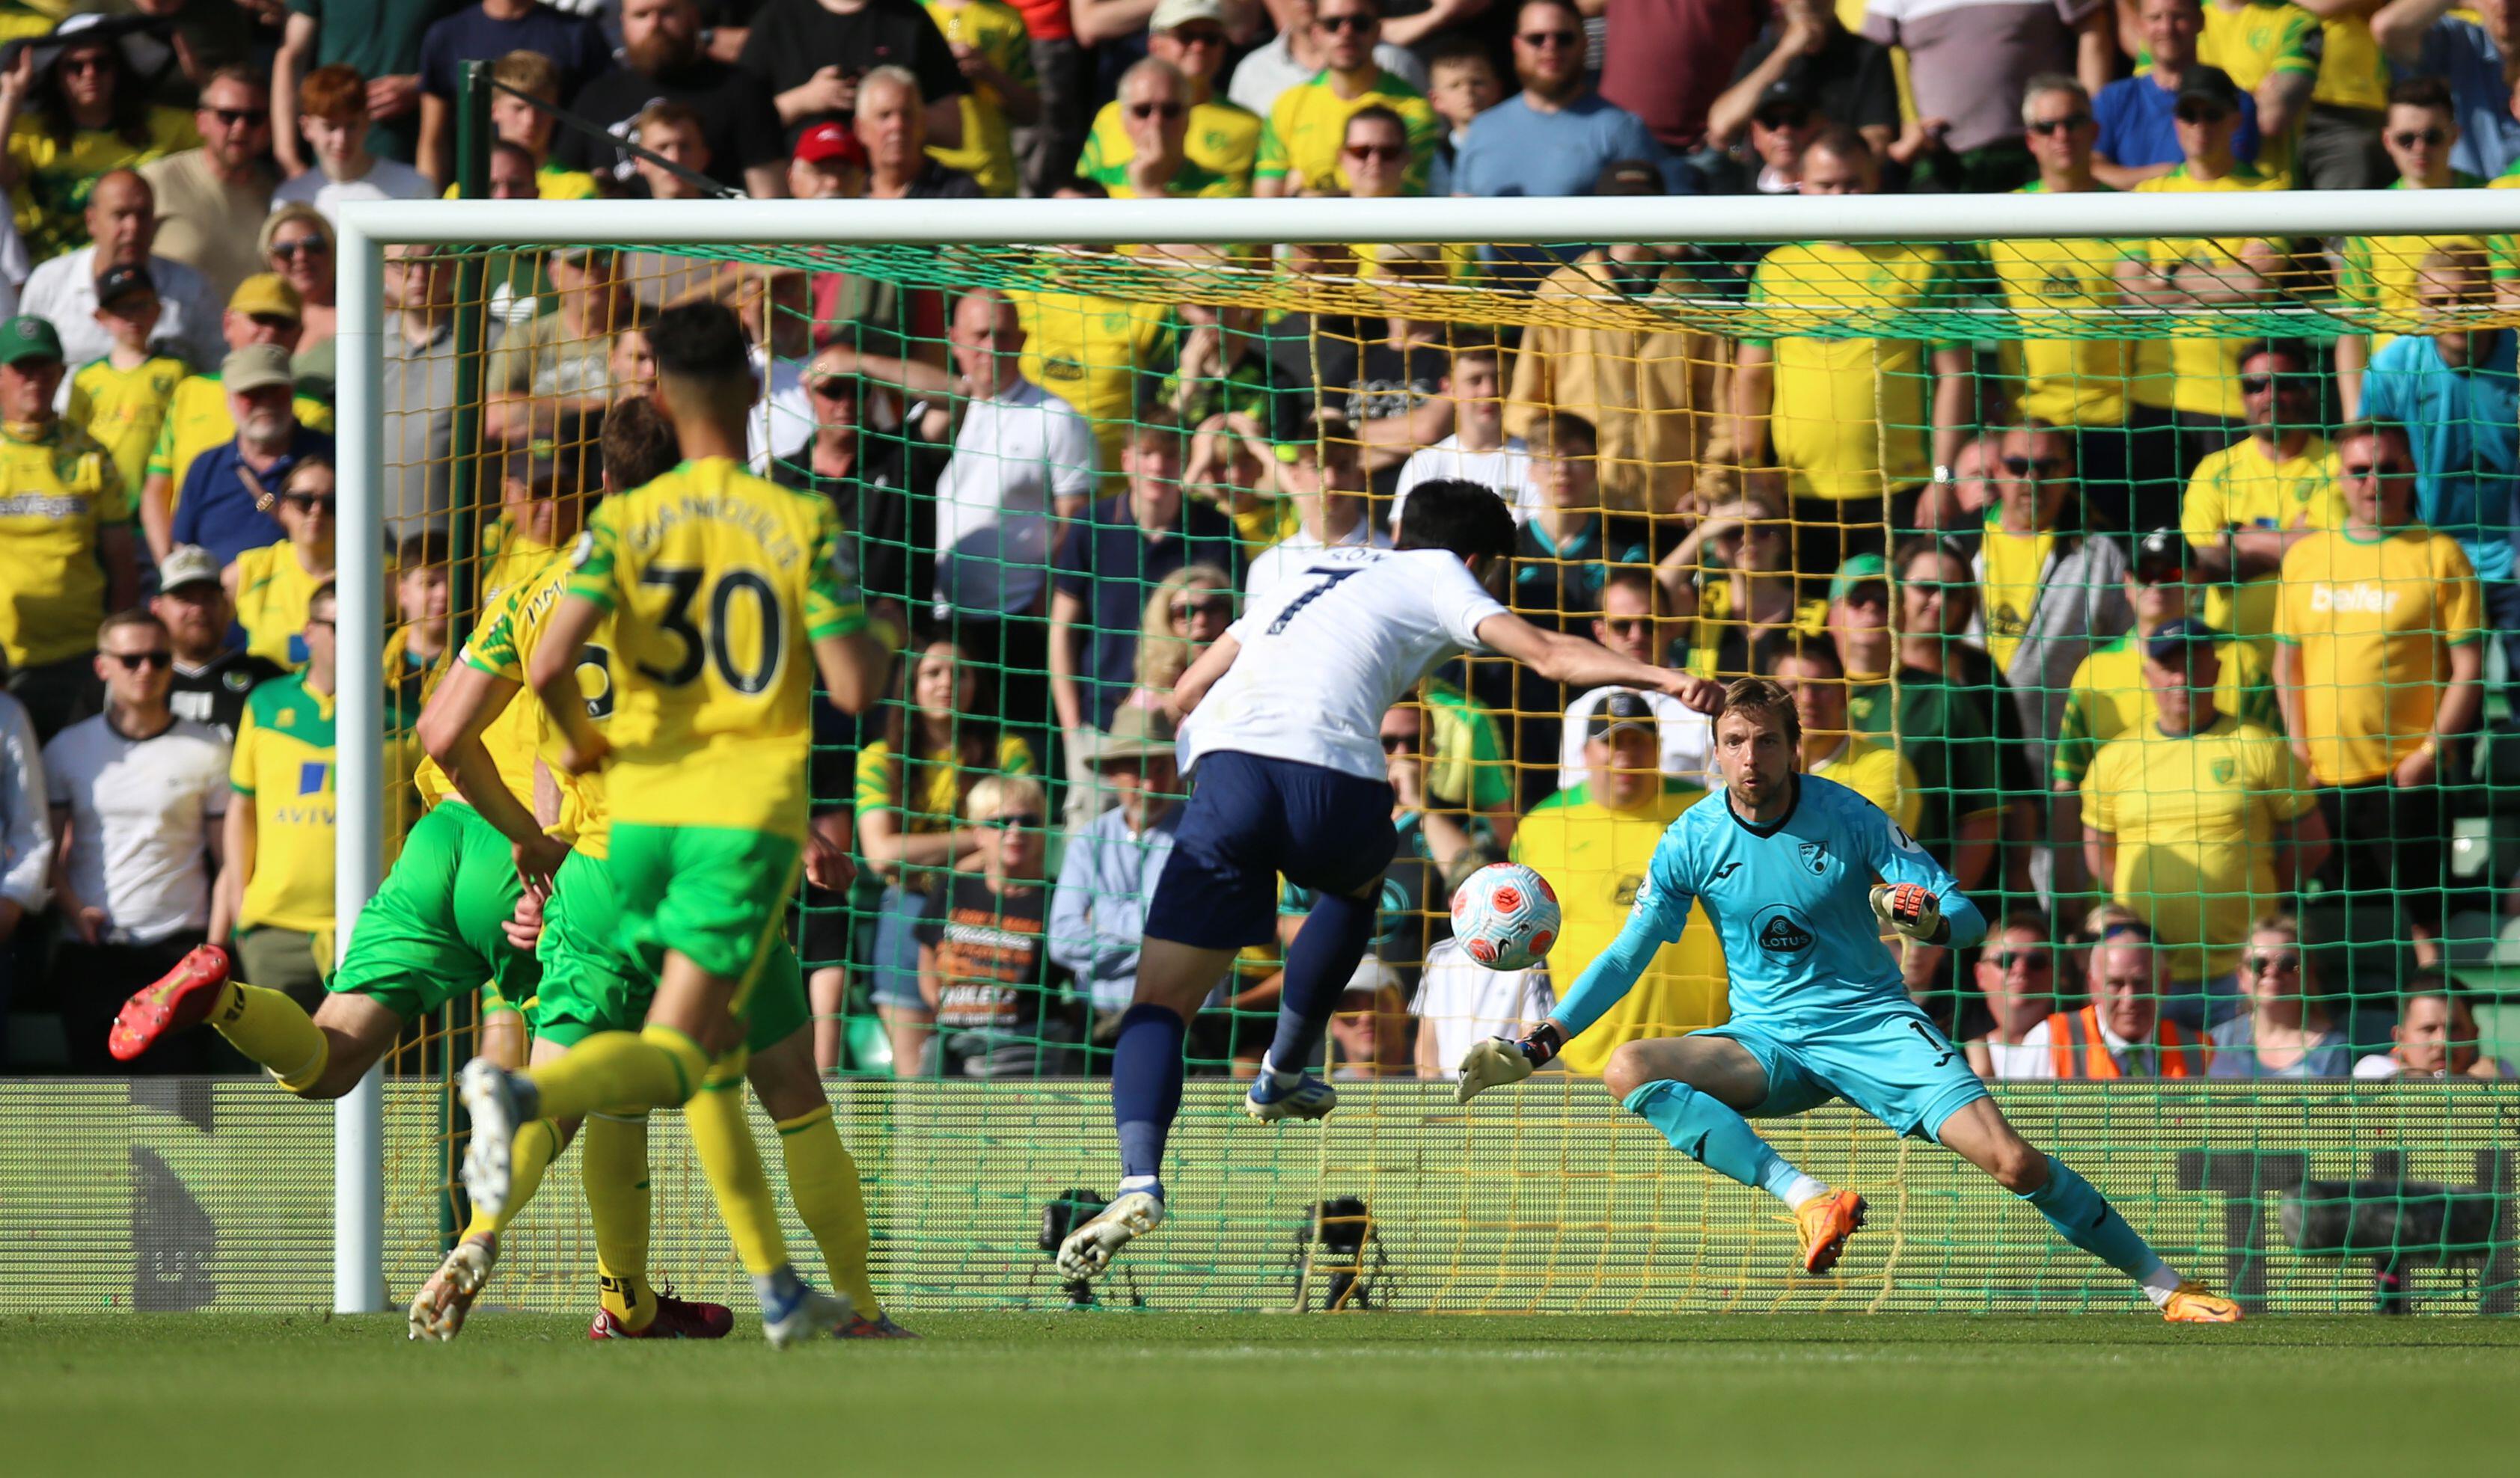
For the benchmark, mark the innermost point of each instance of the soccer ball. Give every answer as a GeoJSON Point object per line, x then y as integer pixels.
{"type": "Point", "coordinates": [1506, 916]}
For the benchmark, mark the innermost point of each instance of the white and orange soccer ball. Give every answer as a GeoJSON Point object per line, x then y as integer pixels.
{"type": "Point", "coordinates": [1506, 916]}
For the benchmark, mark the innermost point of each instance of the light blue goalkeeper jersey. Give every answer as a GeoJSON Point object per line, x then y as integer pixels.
{"type": "Point", "coordinates": [1792, 902]}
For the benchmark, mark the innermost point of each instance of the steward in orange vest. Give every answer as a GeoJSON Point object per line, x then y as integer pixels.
{"type": "Point", "coordinates": [2082, 1053]}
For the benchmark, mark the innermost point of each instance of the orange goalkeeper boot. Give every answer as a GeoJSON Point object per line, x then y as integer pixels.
{"type": "Point", "coordinates": [1827, 1221]}
{"type": "Point", "coordinates": [2195, 1304]}
{"type": "Point", "coordinates": [183, 997]}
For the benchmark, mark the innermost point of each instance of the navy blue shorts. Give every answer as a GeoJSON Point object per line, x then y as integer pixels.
{"type": "Point", "coordinates": [1251, 819]}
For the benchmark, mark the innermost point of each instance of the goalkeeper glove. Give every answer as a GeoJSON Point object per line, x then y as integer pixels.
{"type": "Point", "coordinates": [1493, 1061]}
{"type": "Point", "coordinates": [1911, 908]}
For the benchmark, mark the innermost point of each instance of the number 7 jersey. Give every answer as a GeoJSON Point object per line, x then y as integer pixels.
{"type": "Point", "coordinates": [718, 582]}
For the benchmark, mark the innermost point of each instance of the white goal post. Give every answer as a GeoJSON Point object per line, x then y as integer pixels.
{"type": "Point", "coordinates": [366, 228]}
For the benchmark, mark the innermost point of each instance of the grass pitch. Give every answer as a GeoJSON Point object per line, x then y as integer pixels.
{"type": "Point", "coordinates": [1172, 1394]}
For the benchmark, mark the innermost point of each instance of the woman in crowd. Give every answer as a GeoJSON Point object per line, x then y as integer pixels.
{"type": "Point", "coordinates": [2286, 1032]}
{"type": "Point", "coordinates": [70, 114]}
{"type": "Point", "coordinates": [913, 786]}
{"type": "Point", "coordinates": [1190, 608]}
{"type": "Point", "coordinates": [297, 244]}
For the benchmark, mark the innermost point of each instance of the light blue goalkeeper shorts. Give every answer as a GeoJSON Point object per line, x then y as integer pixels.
{"type": "Point", "coordinates": [1891, 1063]}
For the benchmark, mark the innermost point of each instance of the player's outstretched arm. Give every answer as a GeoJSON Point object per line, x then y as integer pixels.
{"type": "Point", "coordinates": [553, 673]}
{"type": "Point", "coordinates": [853, 668]}
{"type": "Point", "coordinates": [468, 700]}
{"type": "Point", "coordinates": [1610, 976]}
{"type": "Point", "coordinates": [1573, 661]}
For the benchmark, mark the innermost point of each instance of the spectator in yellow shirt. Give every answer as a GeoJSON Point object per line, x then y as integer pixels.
{"type": "Point", "coordinates": [1592, 842]}
{"type": "Point", "coordinates": [2198, 825]}
{"type": "Point", "coordinates": [1222, 140]}
{"type": "Point", "coordinates": [2249, 503]}
{"type": "Point", "coordinates": [2379, 636]}
{"type": "Point", "coordinates": [122, 399]}
{"type": "Point", "coordinates": [275, 886]}
{"type": "Point", "coordinates": [66, 549]}
{"type": "Point", "coordinates": [273, 587]}
{"type": "Point", "coordinates": [1300, 144]}
{"type": "Point", "coordinates": [989, 43]}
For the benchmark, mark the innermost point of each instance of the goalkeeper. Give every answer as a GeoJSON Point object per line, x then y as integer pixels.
{"type": "Point", "coordinates": [1785, 865]}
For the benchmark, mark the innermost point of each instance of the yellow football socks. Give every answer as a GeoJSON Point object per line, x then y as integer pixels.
{"type": "Point", "coordinates": [823, 1182]}
{"type": "Point", "coordinates": [615, 1169]}
{"type": "Point", "coordinates": [535, 1146]}
{"type": "Point", "coordinates": [659, 1067]}
{"type": "Point", "coordinates": [724, 1141]}
{"type": "Point", "coordinates": [273, 1031]}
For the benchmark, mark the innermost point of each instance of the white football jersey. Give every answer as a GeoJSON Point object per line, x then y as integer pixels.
{"type": "Point", "coordinates": [1331, 647]}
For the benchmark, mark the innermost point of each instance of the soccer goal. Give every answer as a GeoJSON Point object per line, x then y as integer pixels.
{"type": "Point", "coordinates": [1914, 456]}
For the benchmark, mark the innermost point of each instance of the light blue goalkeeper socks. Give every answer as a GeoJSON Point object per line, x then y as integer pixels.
{"type": "Point", "coordinates": [2084, 1217]}
{"type": "Point", "coordinates": [1715, 1135]}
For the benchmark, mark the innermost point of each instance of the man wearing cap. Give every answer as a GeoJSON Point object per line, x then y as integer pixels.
{"type": "Point", "coordinates": [2137, 137]}
{"type": "Point", "coordinates": [1221, 139]}
{"type": "Point", "coordinates": [123, 226]}
{"type": "Point", "coordinates": [66, 557]}
{"type": "Point", "coordinates": [1807, 54]}
{"type": "Point", "coordinates": [263, 310]}
{"type": "Point", "coordinates": [121, 396]}
{"type": "Point", "coordinates": [829, 163]}
{"type": "Point", "coordinates": [227, 495]}
{"type": "Point", "coordinates": [2199, 824]}
{"type": "Point", "coordinates": [1554, 137]}
{"type": "Point", "coordinates": [662, 58]}
{"type": "Point", "coordinates": [212, 676]}
{"type": "Point", "coordinates": [2108, 698]}
{"type": "Point", "coordinates": [1098, 911]}
{"type": "Point", "coordinates": [562, 360]}
{"type": "Point", "coordinates": [2198, 379]}
{"type": "Point", "coordinates": [1592, 842]}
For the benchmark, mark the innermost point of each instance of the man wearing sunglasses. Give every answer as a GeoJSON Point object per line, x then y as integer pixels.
{"type": "Point", "coordinates": [1807, 53]}
{"type": "Point", "coordinates": [2016, 974]}
{"type": "Point", "coordinates": [1295, 55]}
{"type": "Point", "coordinates": [137, 796]}
{"type": "Point", "coordinates": [1221, 139]}
{"type": "Point", "coordinates": [1554, 137]}
{"type": "Point", "coordinates": [1299, 147]}
{"type": "Point", "coordinates": [2249, 503]}
{"type": "Point", "coordinates": [2381, 273]}
{"type": "Point", "coordinates": [231, 495]}
{"type": "Point", "coordinates": [2051, 592]}
{"type": "Point", "coordinates": [2138, 139]}
{"type": "Point", "coordinates": [123, 231]}
{"type": "Point", "coordinates": [211, 201]}
{"type": "Point", "coordinates": [1969, 64]}
{"type": "Point", "coordinates": [2379, 648]}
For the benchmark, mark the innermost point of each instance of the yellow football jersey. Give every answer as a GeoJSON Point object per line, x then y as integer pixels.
{"type": "Point", "coordinates": [1596, 857]}
{"type": "Point", "coordinates": [987, 152]}
{"type": "Point", "coordinates": [2191, 371]}
{"type": "Point", "coordinates": [58, 491]}
{"type": "Point", "coordinates": [2065, 290]}
{"type": "Point", "coordinates": [2194, 816]}
{"type": "Point", "coordinates": [2107, 698]}
{"type": "Point", "coordinates": [1091, 352]}
{"type": "Point", "coordinates": [502, 645]}
{"type": "Point", "coordinates": [1308, 123]}
{"type": "Point", "coordinates": [2241, 487]}
{"type": "Point", "coordinates": [198, 419]}
{"type": "Point", "coordinates": [2374, 620]}
{"type": "Point", "coordinates": [272, 591]}
{"type": "Point", "coordinates": [1221, 149]}
{"type": "Point", "coordinates": [123, 409]}
{"type": "Point", "coordinates": [718, 582]}
{"type": "Point", "coordinates": [2009, 593]}
{"type": "Point", "coordinates": [50, 199]}
{"type": "Point", "coordinates": [284, 768]}
{"type": "Point", "coordinates": [1850, 416]}
{"type": "Point", "coordinates": [1879, 774]}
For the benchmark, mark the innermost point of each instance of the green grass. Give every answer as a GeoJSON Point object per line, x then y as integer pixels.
{"type": "Point", "coordinates": [1018, 1395]}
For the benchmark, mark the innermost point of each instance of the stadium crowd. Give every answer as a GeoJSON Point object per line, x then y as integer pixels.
{"type": "Point", "coordinates": [2171, 649]}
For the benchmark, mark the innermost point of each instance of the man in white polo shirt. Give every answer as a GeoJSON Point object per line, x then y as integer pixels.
{"type": "Point", "coordinates": [1478, 450]}
{"type": "Point", "coordinates": [137, 794]}
{"type": "Point", "coordinates": [1022, 471]}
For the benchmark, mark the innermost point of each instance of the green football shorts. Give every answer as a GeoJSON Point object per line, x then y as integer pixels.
{"type": "Point", "coordinates": [715, 895]}
{"type": "Point", "coordinates": [433, 930]}
{"type": "Point", "coordinates": [591, 983]}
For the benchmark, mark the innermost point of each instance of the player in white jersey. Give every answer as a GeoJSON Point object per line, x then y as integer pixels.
{"type": "Point", "coordinates": [1285, 736]}
{"type": "Point", "coordinates": [1799, 875]}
